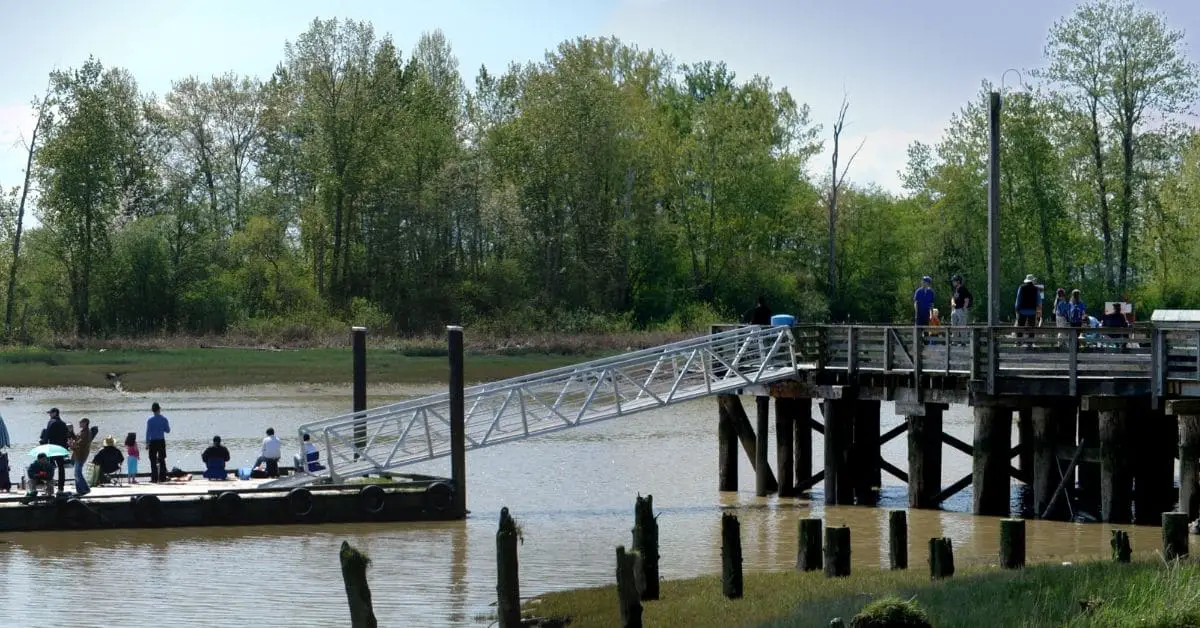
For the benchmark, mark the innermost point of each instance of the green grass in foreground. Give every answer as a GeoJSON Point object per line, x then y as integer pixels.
{"type": "Point", "coordinates": [190, 368]}
{"type": "Point", "coordinates": [1140, 594]}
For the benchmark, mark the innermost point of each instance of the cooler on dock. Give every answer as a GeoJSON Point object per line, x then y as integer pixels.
{"type": "Point", "coordinates": [783, 320]}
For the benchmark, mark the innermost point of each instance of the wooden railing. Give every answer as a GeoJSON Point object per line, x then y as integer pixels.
{"type": "Point", "coordinates": [1164, 358]}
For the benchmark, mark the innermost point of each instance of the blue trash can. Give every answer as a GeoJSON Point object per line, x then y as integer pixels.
{"type": "Point", "coordinates": [783, 320]}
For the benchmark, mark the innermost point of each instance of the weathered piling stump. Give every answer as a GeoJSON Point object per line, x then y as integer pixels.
{"type": "Point", "coordinates": [990, 477]}
{"type": "Point", "coordinates": [645, 543]}
{"type": "Point", "coordinates": [727, 451]}
{"type": "Point", "coordinates": [808, 551]}
{"type": "Point", "coordinates": [837, 552]}
{"type": "Point", "coordinates": [354, 575]}
{"type": "Point", "coordinates": [1174, 535]}
{"type": "Point", "coordinates": [1121, 551]}
{"type": "Point", "coordinates": [925, 457]}
{"type": "Point", "coordinates": [784, 442]}
{"type": "Point", "coordinates": [731, 557]}
{"type": "Point", "coordinates": [627, 590]}
{"type": "Point", "coordinates": [1012, 543]}
{"type": "Point", "coordinates": [941, 558]}
{"type": "Point", "coordinates": [508, 586]}
{"type": "Point", "coordinates": [898, 539]}
{"type": "Point", "coordinates": [1189, 465]}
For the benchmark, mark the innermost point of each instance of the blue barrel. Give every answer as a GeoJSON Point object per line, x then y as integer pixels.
{"type": "Point", "coordinates": [783, 320]}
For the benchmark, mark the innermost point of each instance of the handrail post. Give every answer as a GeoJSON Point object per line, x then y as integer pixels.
{"type": "Point", "coordinates": [333, 476]}
{"type": "Point", "coordinates": [946, 335]}
{"type": "Point", "coordinates": [1073, 360]}
{"type": "Point", "coordinates": [993, 360]}
{"type": "Point", "coordinates": [973, 337]}
{"type": "Point", "coordinates": [851, 350]}
{"type": "Point", "coordinates": [887, 349]}
{"type": "Point", "coordinates": [917, 344]}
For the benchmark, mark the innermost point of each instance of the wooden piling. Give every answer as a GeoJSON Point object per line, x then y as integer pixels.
{"type": "Point", "coordinates": [458, 418]}
{"type": "Point", "coordinates": [1046, 474]}
{"type": "Point", "coordinates": [762, 467]}
{"type": "Point", "coordinates": [837, 552]}
{"type": "Point", "coordinates": [1012, 543]}
{"type": "Point", "coordinates": [1121, 550]}
{"type": "Point", "coordinates": [1174, 535]}
{"type": "Point", "coordinates": [990, 474]}
{"type": "Point", "coordinates": [864, 456]}
{"type": "Point", "coordinates": [727, 451]}
{"type": "Point", "coordinates": [941, 558]}
{"type": "Point", "coordinates": [1089, 472]}
{"type": "Point", "coordinates": [785, 419]}
{"type": "Point", "coordinates": [358, 343]}
{"type": "Point", "coordinates": [808, 548]}
{"type": "Point", "coordinates": [1189, 465]}
{"type": "Point", "coordinates": [627, 594]}
{"type": "Point", "coordinates": [802, 447]}
{"type": "Point", "coordinates": [898, 539]}
{"type": "Point", "coordinates": [645, 543]}
{"type": "Point", "coordinates": [508, 587]}
{"type": "Point", "coordinates": [745, 432]}
{"type": "Point", "coordinates": [925, 457]}
{"type": "Point", "coordinates": [1156, 443]}
{"type": "Point", "coordinates": [1116, 481]}
{"type": "Point", "coordinates": [839, 435]}
{"type": "Point", "coordinates": [1026, 439]}
{"type": "Point", "coordinates": [731, 557]}
{"type": "Point", "coordinates": [354, 575]}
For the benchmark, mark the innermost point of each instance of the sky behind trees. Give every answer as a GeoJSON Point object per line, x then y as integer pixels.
{"type": "Point", "coordinates": [905, 66]}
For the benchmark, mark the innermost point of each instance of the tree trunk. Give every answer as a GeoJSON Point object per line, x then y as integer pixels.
{"type": "Point", "coordinates": [16, 247]}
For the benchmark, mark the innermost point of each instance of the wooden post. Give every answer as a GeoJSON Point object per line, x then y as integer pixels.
{"type": "Point", "coordinates": [508, 586]}
{"type": "Point", "coordinates": [1121, 551]}
{"type": "Point", "coordinates": [354, 575]}
{"type": "Point", "coordinates": [990, 476]}
{"type": "Point", "coordinates": [803, 447]}
{"type": "Point", "coordinates": [727, 451]}
{"type": "Point", "coordinates": [808, 550]}
{"type": "Point", "coordinates": [839, 434]}
{"type": "Point", "coordinates": [898, 539]}
{"type": "Point", "coordinates": [627, 594]}
{"type": "Point", "coordinates": [645, 543]}
{"type": "Point", "coordinates": [925, 457]}
{"type": "Point", "coordinates": [1089, 472]}
{"type": "Point", "coordinates": [784, 441]}
{"type": "Point", "coordinates": [358, 343]}
{"type": "Point", "coordinates": [1012, 543]}
{"type": "Point", "coordinates": [1174, 535]}
{"type": "Point", "coordinates": [1043, 443]}
{"type": "Point", "coordinates": [1025, 438]}
{"type": "Point", "coordinates": [731, 557]}
{"type": "Point", "coordinates": [1116, 482]}
{"type": "Point", "coordinates": [941, 558]}
{"type": "Point", "coordinates": [745, 432]}
{"type": "Point", "coordinates": [837, 552]}
{"type": "Point", "coordinates": [762, 467]}
{"type": "Point", "coordinates": [458, 420]}
{"type": "Point", "coordinates": [864, 457]}
{"type": "Point", "coordinates": [1189, 469]}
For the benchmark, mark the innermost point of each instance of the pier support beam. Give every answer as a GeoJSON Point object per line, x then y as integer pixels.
{"type": "Point", "coordinates": [764, 482]}
{"type": "Point", "coordinates": [1052, 427]}
{"type": "Point", "coordinates": [1155, 441]}
{"type": "Point", "coordinates": [727, 451]}
{"type": "Point", "coordinates": [802, 446]}
{"type": "Point", "coordinates": [864, 457]}
{"type": "Point", "coordinates": [839, 438]}
{"type": "Point", "coordinates": [458, 420]}
{"type": "Point", "coordinates": [1116, 473]}
{"type": "Point", "coordinates": [1025, 438]}
{"type": "Point", "coordinates": [1188, 415]}
{"type": "Point", "coordinates": [741, 423]}
{"type": "Point", "coordinates": [1089, 472]}
{"type": "Point", "coordinates": [925, 456]}
{"type": "Point", "coordinates": [785, 425]}
{"type": "Point", "coordinates": [990, 473]}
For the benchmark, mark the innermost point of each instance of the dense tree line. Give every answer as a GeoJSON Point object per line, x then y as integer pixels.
{"type": "Point", "coordinates": [603, 186]}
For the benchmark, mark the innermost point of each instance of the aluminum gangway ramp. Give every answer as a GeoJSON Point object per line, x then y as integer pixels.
{"type": "Point", "coordinates": [413, 431]}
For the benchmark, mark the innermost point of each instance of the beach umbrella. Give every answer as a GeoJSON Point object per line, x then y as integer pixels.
{"type": "Point", "coordinates": [50, 451]}
{"type": "Point", "coordinates": [4, 440]}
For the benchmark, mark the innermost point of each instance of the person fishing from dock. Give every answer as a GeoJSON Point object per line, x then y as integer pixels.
{"type": "Point", "coordinates": [108, 459]}
{"type": "Point", "coordinates": [157, 428]}
{"type": "Point", "coordinates": [41, 474]}
{"type": "Point", "coordinates": [81, 450]}
{"type": "Point", "coordinates": [56, 432]}
{"type": "Point", "coordinates": [215, 458]}
{"type": "Point", "coordinates": [269, 455]}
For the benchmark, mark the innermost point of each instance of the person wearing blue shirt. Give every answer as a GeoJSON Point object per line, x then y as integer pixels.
{"type": "Point", "coordinates": [1028, 303]}
{"type": "Point", "coordinates": [923, 300]}
{"type": "Point", "coordinates": [157, 428]}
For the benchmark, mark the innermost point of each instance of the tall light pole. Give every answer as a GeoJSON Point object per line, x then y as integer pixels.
{"type": "Point", "coordinates": [993, 260]}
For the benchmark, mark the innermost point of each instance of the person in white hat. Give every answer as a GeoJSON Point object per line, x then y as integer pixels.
{"type": "Point", "coordinates": [1029, 303]}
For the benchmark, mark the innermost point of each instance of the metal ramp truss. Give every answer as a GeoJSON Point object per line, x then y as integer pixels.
{"type": "Point", "coordinates": [416, 430]}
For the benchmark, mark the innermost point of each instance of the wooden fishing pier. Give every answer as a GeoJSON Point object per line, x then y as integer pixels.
{"type": "Point", "coordinates": [1102, 415]}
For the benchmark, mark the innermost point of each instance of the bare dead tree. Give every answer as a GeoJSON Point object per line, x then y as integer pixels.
{"type": "Point", "coordinates": [835, 185]}
{"type": "Point", "coordinates": [43, 110]}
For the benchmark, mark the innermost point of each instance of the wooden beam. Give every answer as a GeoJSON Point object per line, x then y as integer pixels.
{"type": "Point", "coordinates": [1090, 454]}
{"type": "Point", "coordinates": [1111, 404]}
{"type": "Point", "coordinates": [893, 470]}
{"type": "Point", "coordinates": [816, 425]}
{"type": "Point", "coordinates": [953, 489]}
{"type": "Point", "coordinates": [893, 433]}
{"type": "Point", "coordinates": [958, 444]}
{"type": "Point", "coordinates": [1188, 407]}
{"type": "Point", "coordinates": [810, 482]}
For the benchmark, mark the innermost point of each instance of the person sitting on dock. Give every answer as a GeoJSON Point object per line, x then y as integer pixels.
{"type": "Point", "coordinates": [312, 456]}
{"type": "Point", "coordinates": [41, 474]}
{"type": "Point", "coordinates": [108, 459]}
{"type": "Point", "coordinates": [214, 459]}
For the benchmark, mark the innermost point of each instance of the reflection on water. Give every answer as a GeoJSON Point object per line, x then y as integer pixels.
{"type": "Point", "coordinates": [572, 492]}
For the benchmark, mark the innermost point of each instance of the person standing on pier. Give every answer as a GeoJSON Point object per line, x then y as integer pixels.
{"type": "Point", "coordinates": [81, 450]}
{"type": "Point", "coordinates": [960, 302]}
{"type": "Point", "coordinates": [923, 300]}
{"type": "Point", "coordinates": [760, 314]}
{"type": "Point", "coordinates": [157, 428]}
{"type": "Point", "coordinates": [1028, 303]}
{"type": "Point", "coordinates": [56, 433]}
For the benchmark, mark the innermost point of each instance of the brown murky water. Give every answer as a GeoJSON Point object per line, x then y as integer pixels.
{"type": "Point", "coordinates": [572, 492]}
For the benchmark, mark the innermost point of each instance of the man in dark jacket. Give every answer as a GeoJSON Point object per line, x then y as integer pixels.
{"type": "Point", "coordinates": [214, 459]}
{"type": "Point", "coordinates": [56, 433]}
{"type": "Point", "coordinates": [760, 314]}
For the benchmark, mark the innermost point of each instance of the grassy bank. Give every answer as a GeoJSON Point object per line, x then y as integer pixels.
{"type": "Point", "coordinates": [1096, 594]}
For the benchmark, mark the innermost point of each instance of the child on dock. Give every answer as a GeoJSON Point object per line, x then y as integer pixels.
{"type": "Point", "coordinates": [131, 455]}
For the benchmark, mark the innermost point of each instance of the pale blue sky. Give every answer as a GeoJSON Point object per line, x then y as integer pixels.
{"type": "Point", "coordinates": [906, 65]}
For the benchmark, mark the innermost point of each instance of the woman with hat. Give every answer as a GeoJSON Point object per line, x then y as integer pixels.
{"type": "Point", "coordinates": [108, 459]}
